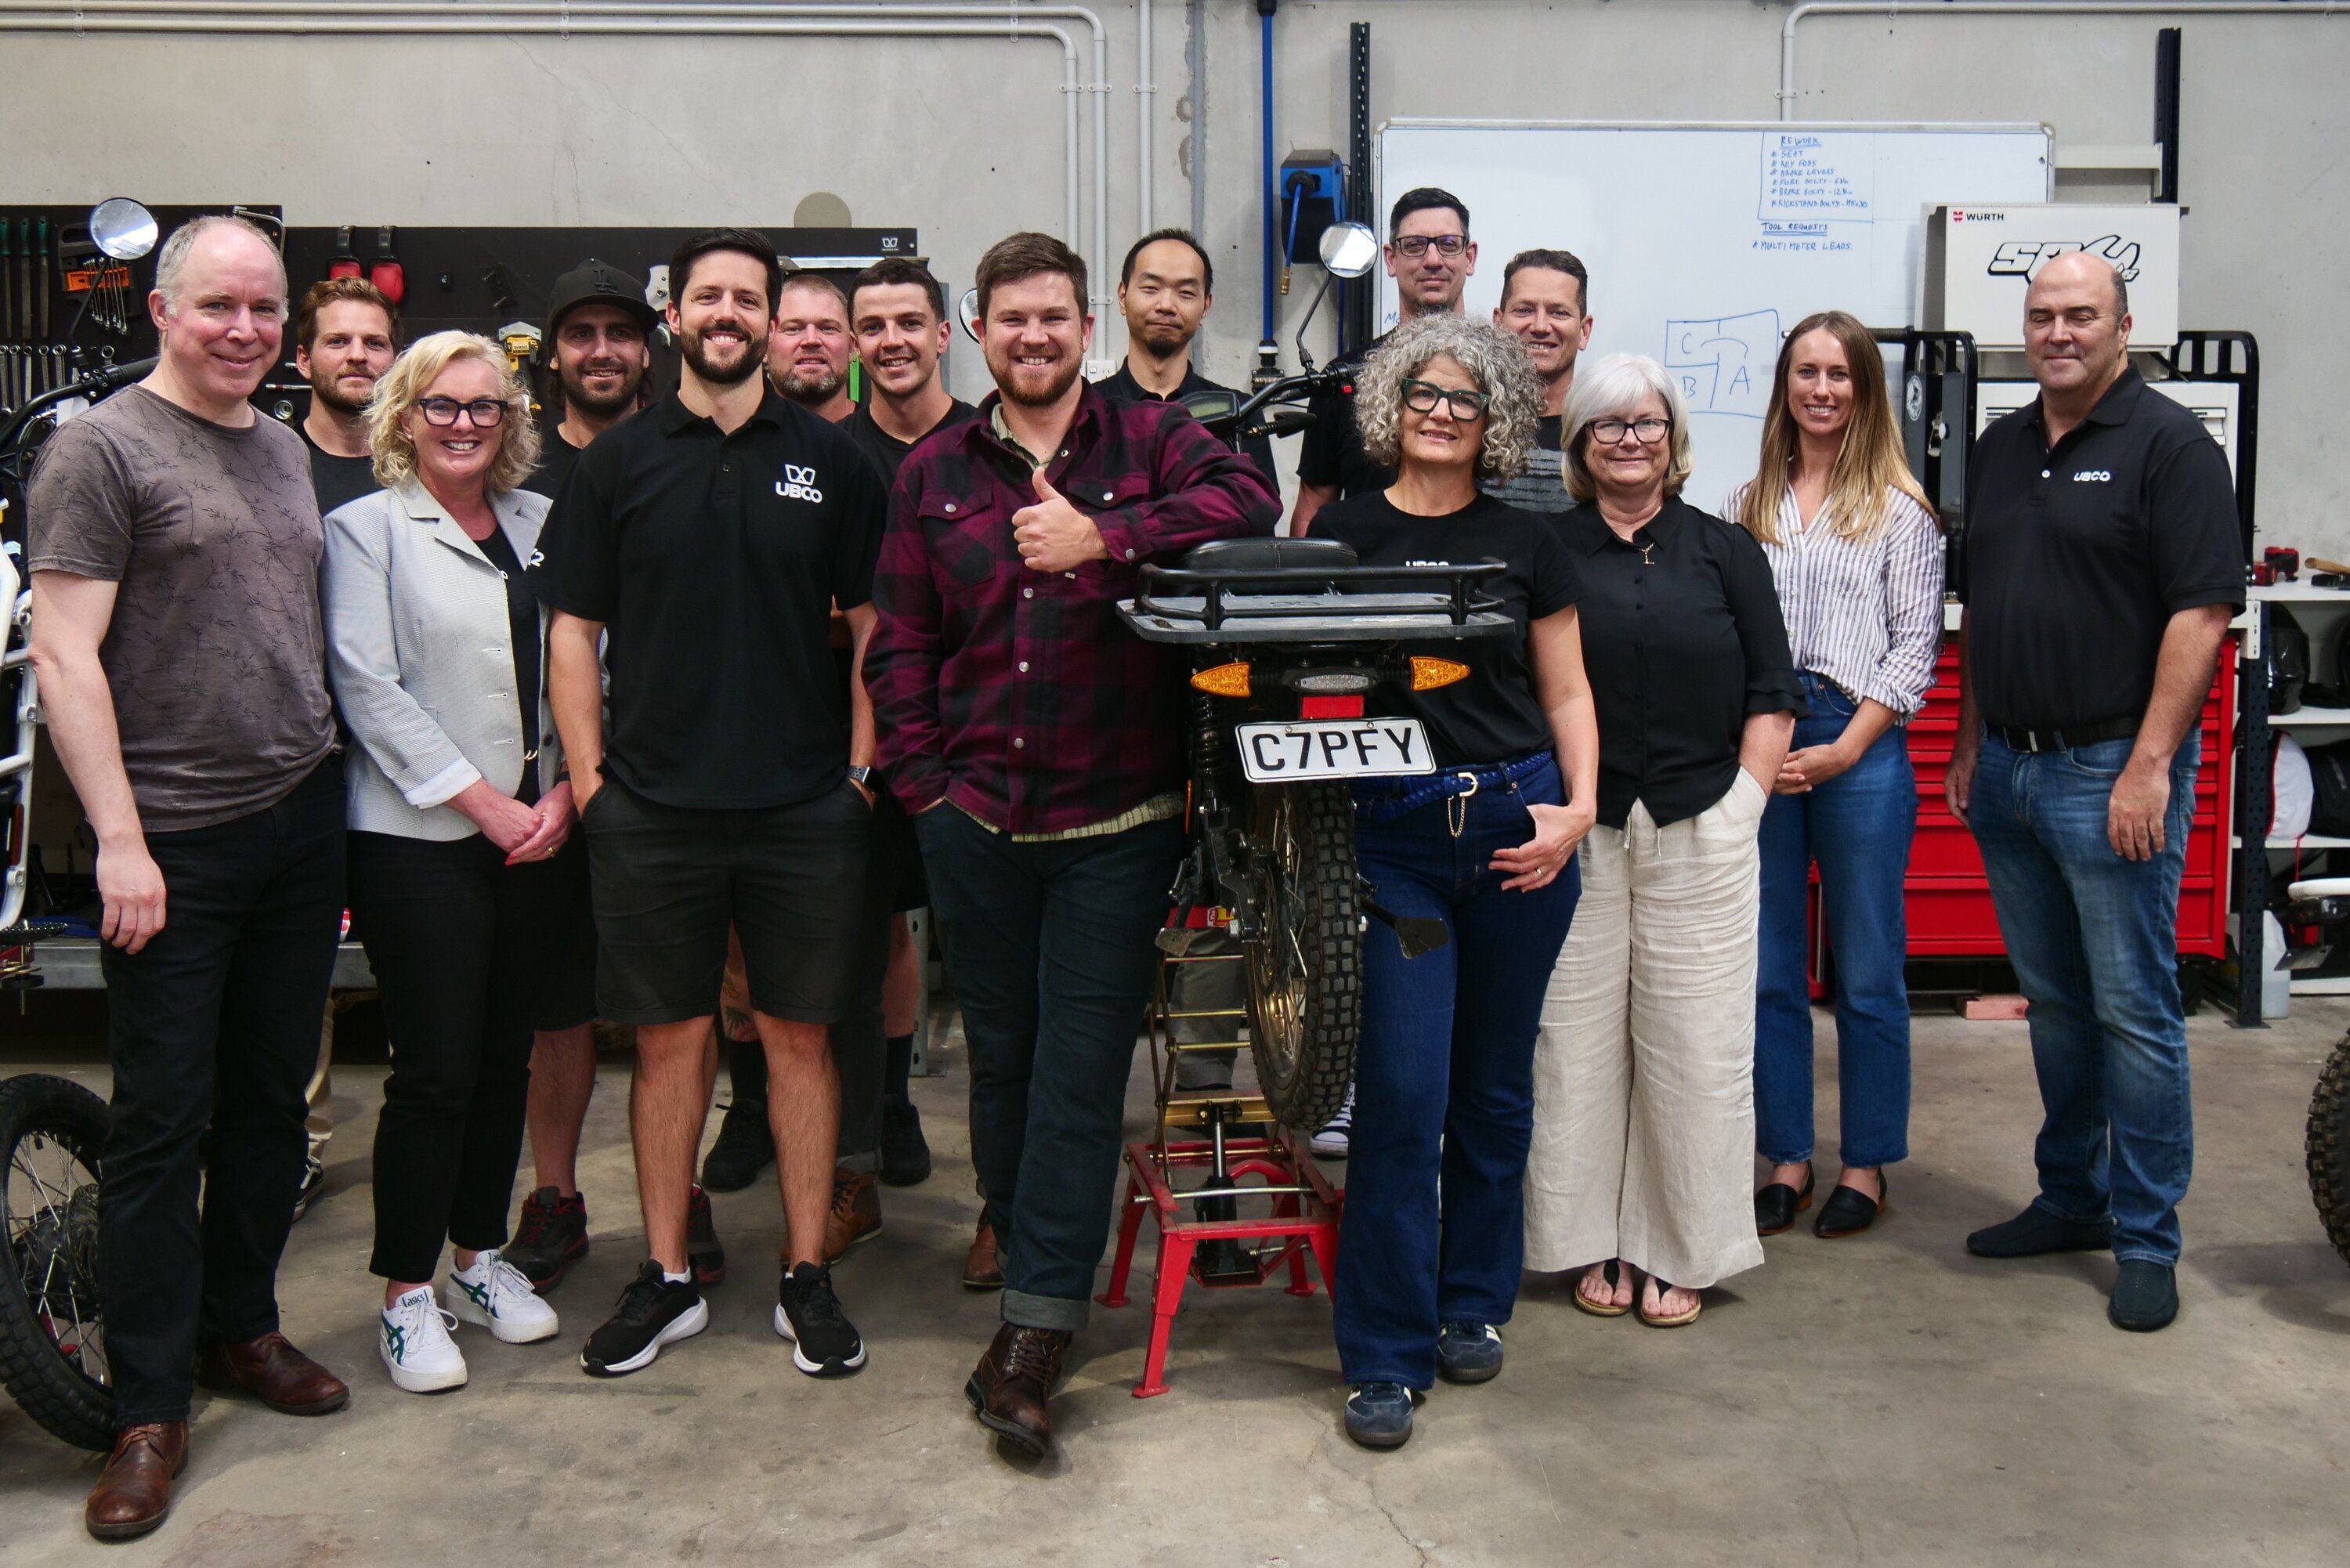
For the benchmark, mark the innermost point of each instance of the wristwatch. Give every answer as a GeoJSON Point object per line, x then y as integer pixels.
{"type": "Point", "coordinates": [861, 775]}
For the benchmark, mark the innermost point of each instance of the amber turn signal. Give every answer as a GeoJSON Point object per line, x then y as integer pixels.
{"type": "Point", "coordinates": [1233, 679]}
{"type": "Point", "coordinates": [1428, 674]}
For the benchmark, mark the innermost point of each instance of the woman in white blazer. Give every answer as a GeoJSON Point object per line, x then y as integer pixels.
{"type": "Point", "coordinates": [460, 816]}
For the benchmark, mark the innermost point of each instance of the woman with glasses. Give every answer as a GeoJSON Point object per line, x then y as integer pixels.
{"type": "Point", "coordinates": [1858, 558]}
{"type": "Point", "coordinates": [1644, 1076]}
{"type": "Point", "coordinates": [462, 874]}
{"type": "Point", "coordinates": [1428, 1265]}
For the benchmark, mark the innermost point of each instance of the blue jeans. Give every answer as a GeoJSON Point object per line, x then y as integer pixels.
{"type": "Point", "coordinates": [1054, 950]}
{"type": "Point", "coordinates": [1444, 1101]}
{"type": "Point", "coordinates": [2093, 940]}
{"type": "Point", "coordinates": [1858, 826]}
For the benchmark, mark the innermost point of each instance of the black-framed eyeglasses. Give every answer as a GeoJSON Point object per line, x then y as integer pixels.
{"type": "Point", "coordinates": [1647, 431]}
{"type": "Point", "coordinates": [486, 412]}
{"type": "Point", "coordinates": [1417, 244]}
{"type": "Point", "coordinates": [1421, 398]}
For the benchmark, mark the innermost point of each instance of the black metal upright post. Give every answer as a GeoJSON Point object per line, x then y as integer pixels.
{"type": "Point", "coordinates": [2166, 111]}
{"type": "Point", "coordinates": [1356, 295]}
{"type": "Point", "coordinates": [2255, 751]}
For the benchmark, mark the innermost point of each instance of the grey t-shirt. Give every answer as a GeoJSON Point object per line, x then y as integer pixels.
{"type": "Point", "coordinates": [1542, 485]}
{"type": "Point", "coordinates": [214, 655]}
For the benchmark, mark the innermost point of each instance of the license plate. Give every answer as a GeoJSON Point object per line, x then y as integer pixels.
{"type": "Point", "coordinates": [1334, 749]}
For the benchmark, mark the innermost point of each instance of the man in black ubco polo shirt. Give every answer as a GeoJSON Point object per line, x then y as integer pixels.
{"type": "Point", "coordinates": [2103, 561]}
{"type": "Point", "coordinates": [709, 538]}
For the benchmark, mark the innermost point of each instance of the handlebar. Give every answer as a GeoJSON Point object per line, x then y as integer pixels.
{"type": "Point", "coordinates": [94, 384]}
{"type": "Point", "coordinates": [1241, 423]}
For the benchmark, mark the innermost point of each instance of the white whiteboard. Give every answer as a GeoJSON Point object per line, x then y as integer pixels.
{"type": "Point", "coordinates": [1705, 241]}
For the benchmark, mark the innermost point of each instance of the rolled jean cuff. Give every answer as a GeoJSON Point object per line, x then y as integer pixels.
{"type": "Point", "coordinates": [1025, 1311]}
{"type": "Point", "coordinates": [1870, 1159]}
{"type": "Point", "coordinates": [866, 1163]}
{"type": "Point", "coordinates": [2140, 1255]}
{"type": "Point", "coordinates": [153, 1416]}
{"type": "Point", "coordinates": [1769, 1156]}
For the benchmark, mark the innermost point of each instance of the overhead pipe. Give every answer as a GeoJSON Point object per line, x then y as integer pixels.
{"type": "Point", "coordinates": [628, 18]}
{"type": "Point", "coordinates": [1894, 9]}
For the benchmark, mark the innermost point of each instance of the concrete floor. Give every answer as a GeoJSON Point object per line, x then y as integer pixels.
{"type": "Point", "coordinates": [1886, 1399]}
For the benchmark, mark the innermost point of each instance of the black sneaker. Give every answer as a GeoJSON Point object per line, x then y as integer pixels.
{"type": "Point", "coordinates": [905, 1153]}
{"type": "Point", "coordinates": [825, 1343]}
{"type": "Point", "coordinates": [703, 1254]}
{"type": "Point", "coordinates": [744, 1147]}
{"type": "Point", "coordinates": [1467, 1352]}
{"type": "Point", "coordinates": [652, 1312]}
{"type": "Point", "coordinates": [313, 1182]}
{"type": "Point", "coordinates": [549, 1237]}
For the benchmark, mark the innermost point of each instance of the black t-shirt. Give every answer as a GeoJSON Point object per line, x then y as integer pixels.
{"type": "Point", "coordinates": [339, 481]}
{"type": "Point", "coordinates": [1493, 715]}
{"type": "Point", "coordinates": [556, 459]}
{"type": "Point", "coordinates": [1683, 640]}
{"type": "Point", "coordinates": [713, 561]}
{"type": "Point", "coordinates": [522, 623]}
{"type": "Point", "coordinates": [2076, 558]}
{"type": "Point", "coordinates": [1120, 387]}
{"type": "Point", "coordinates": [1331, 450]}
{"type": "Point", "coordinates": [885, 452]}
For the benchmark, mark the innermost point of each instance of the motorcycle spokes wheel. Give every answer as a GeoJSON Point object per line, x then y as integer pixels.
{"type": "Point", "coordinates": [1304, 955]}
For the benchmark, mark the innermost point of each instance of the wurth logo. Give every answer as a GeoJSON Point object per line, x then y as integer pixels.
{"type": "Point", "coordinates": [798, 483]}
{"type": "Point", "coordinates": [2024, 258]}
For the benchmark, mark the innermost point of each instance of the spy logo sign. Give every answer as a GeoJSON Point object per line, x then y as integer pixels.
{"type": "Point", "coordinates": [799, 483]}
{"type": "Point", "coordinates": [2024, 258]}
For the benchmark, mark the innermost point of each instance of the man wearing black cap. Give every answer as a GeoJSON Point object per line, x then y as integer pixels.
{"type": "Point", "coordinates": [598, 331]}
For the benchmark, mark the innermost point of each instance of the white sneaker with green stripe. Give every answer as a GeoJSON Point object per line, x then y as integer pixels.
{"type": "Point", "coordinates": [498, 1296]}
{"type": "Point", "coordinates": [413, 1340]}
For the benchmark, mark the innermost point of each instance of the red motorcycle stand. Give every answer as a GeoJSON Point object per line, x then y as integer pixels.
{"type": "Point", "coordinates": [1303, 1207]}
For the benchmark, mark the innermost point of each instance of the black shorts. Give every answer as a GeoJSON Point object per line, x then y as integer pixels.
{"type": "Point", "coordinates": [669, 881]}
{"type": "Point", "coordinates": [898, 857]}
{"type": "Point", "coordinates": [566, 962]}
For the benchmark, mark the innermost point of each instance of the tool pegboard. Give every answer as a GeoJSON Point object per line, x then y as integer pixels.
{"type": "Point", "coordinates": [64, 308]}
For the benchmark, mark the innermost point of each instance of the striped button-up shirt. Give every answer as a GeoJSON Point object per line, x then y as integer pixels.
{"type": "Point", "coordinates": [1019, 695]}
{"type": "Point", "coordinates": [1867, 615]}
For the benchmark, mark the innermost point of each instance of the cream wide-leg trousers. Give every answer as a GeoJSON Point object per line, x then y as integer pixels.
{"type": "Point", "coordinates": [1643, 1070]}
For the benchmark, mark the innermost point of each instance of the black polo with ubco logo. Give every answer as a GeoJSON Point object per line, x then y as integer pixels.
{"type": "Point", "coordinates": [713, 561]}
{"type": "Point", "coordinates": [2077, 557]}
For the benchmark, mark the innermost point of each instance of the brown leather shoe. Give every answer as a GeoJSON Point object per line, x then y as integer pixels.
{"type": "Point", "coordinates": [982, 1269]}
{"type": "Point", "coordinates": [855, 1213]}
{"type": "Point", "coordinates": [1010, 1387]}
{"type": "Point", "coordinates": [134, 1491]}
{"type": "Point", "coordinates": [274, 1372]}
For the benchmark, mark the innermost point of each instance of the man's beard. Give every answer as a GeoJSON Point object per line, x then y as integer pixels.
{"type": "Point", "coordinates": [577, 395]}
{"type": "Point", "coordinates": [1062, 381]}
{"type": "Point", "coordinates": [1165, 341]}
{"type": "Point", "coordinates": [810, 386]}
{"type": "Point", "coordinates": [328, 393]}
{"type": "Point", "coordinates": [690, 350]}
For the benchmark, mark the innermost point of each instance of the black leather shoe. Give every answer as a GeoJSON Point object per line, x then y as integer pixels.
{"type": "Point", "coordinates": [1776, 1206]}
{"type": "Point", "coordinates": [2036, 1231]}
{"type": "Point", "coordinates": [1848, 1210]}
{"type": "Point", "coordinates": [2146, 1296]}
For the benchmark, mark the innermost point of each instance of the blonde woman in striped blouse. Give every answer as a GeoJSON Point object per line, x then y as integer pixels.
{"type": "Point", "coordinates": [1857, 554]}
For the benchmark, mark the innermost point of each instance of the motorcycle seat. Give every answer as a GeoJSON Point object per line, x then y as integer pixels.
{"type": "Point", "coordinates": [1268, 555]}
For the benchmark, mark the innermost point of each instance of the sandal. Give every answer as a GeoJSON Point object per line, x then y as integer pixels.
{"type": "Point", "coordinates": [1611, 1272]}
{"type": "Point", "coordinates": [1658, 1319]}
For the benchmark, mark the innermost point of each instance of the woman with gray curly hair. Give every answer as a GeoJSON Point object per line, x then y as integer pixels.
{"type": "Point", "coordinates": [1644, 1079]}
{"type": "Point", "coordinates": [1444, 1092]}
{"type": "Point", "coordinates": [463, 878]}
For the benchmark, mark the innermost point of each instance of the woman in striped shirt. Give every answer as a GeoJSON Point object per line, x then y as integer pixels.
{"type": "Point", "coordinates": [1857, 554]}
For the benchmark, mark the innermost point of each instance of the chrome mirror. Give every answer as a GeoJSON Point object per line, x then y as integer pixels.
{"type": "Point", "coordinates": [1349, 250]}
{"type": "Point", "coordinates": [121, 228]}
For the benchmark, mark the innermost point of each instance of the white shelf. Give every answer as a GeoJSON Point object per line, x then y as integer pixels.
{"type": "Point", "coordinates": [2306, 841]}
{"type": "Point", "coordinates": [2299, 594]}
{"type": "Point", "coordinates": [2329, 985]}
{"type": "Point", "coordinates": [2309, 718]}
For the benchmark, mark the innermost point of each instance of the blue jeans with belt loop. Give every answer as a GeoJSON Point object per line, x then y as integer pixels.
{"type": "Point", "coordinates": [1857, 826]}
{"type": "Point", "coordinates": [2094, 941]}
{"type": "Point", "coordinates": [1433, 1230]}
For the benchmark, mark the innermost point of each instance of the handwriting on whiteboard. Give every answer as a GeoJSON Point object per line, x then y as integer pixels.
{"type": "Point", "coordinates": [1819, 175]}
{"type": "Point", "coordinates": [1724, 364]}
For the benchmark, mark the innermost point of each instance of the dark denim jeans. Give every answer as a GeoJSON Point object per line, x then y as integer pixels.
{"type": "Point", "coordinates": [214, 1023]}
{"type": "Point", "coordinates": [1054, 950]}
{"type": "Point", "coordinates": [2093, 940]}
{"type": "Point", "coordinates": [1857, 826]}
{"type": "Point", "coordinates": [1444, 1099]}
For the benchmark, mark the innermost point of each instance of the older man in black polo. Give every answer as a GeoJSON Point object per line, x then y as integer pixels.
{"type": "Point", "coordinates": [2103, 562]}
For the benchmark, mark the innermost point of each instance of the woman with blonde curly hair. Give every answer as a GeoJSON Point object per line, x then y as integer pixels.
{"type": "Point", "coordinates": [461, 878]}
{"type": "Point", "coordinates": [1429, 1263]}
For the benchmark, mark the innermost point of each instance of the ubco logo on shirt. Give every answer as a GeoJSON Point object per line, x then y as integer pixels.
{"type": "Point", "coordinates": [798, 484]}
{"type": "Point", "coordinates": [2093, 476]}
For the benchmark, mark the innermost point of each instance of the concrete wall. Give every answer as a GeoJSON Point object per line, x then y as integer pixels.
{"type": "Point", "coordinates": [963, 137]}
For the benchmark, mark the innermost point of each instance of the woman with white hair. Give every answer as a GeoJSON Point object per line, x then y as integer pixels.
{"type": "Point", "coordinates": [1428, 1262]}
{"type": "Point", "coordinates": [1644, 1076]}
{"type": "Point", "coordinates": [462, 874]}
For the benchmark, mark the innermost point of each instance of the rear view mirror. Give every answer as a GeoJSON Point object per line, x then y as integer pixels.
{"type": "Point", "coordinates": [1349, 250]}
{"type": "Point", "coordinates": [967, 311]}
{"type": "Point", "coordinates": [122, 229]}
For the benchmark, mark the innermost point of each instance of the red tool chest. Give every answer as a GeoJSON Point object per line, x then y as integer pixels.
{"type": "Point", "coordinates": [1948, 900]}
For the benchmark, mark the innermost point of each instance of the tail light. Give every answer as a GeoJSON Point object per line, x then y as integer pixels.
{"type": "Point", "coordinates": [1330, 708]}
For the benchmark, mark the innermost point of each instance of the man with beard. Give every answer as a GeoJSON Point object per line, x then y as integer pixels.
{"type": "Point", "coordinates": [598, 340]}
{"type": "Point", "coordinates": [710, 538]}
{"type": "Point", "coordinates": [809, 344]}
{"type": "Point", "coordinates": [1037, 744]}
{"type": "Point", "coordinates": [1545, 301]}
{"type": "Point", "coordinates": [344, 335]}
{"type": "Point", "coordinates": [1166, 290]}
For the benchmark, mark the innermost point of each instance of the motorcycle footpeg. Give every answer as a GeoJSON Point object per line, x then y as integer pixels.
{"type": "Point", "coordinates": [1416, 935]}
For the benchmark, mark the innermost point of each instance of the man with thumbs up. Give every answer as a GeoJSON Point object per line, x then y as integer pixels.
{"type": "Point", "coordinates": [1038, 744]}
